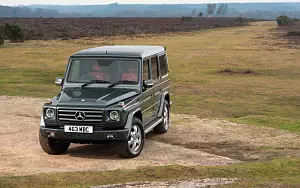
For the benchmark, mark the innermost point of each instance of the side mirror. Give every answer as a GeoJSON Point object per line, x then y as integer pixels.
{"type": "Point", "coordinates": [59, 81]}
{"type": "Point", "coordinates": [148, 83]}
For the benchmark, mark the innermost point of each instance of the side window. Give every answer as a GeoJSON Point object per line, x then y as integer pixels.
{"type": "Point", "coordinates": [163, 65]}
{"type": "Point", "coordinates": [154, 68]}
{"type": "Point", "coordinates": [146, 69]}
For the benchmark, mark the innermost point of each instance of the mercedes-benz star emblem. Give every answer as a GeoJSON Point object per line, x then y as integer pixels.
{"type": "Point", "coordinates": [80, 116]}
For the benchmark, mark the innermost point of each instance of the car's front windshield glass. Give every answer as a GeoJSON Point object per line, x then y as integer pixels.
{"type": "Point", "coordinates": [107, 70]}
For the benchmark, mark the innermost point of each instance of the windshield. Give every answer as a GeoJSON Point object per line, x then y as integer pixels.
{"type": "Point", "coordinates": [103, 71]}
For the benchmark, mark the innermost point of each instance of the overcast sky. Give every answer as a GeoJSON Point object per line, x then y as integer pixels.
{"type": "Point", "coordinates": [89, 2]}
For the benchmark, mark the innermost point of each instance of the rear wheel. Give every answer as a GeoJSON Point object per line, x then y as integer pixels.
{"type": "Point", "coordinates": [133, 146]}
{"type": "Point", "coordinates": [163, 127]}
{"type": "Point", "coordinates": [53, 146]}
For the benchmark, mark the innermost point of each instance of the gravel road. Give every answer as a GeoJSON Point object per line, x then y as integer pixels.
{"type": "Point", "coordinates": [173, 184]}
{"type": "Point", "coordinates": [21, 154]}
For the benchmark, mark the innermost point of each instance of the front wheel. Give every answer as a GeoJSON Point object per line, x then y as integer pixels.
{"type": "Point", "coordinates": [52, 146]}
{"type": "Point", "coordinates": [163, 127]}
{"type": "Point", "coordinates": [133, 146]}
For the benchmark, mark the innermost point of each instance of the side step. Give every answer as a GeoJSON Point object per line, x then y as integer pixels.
{"type": "Point", "coordinates": [153, 125]}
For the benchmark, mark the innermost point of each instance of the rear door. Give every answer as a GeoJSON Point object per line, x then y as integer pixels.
{"type": "Point", "coordinates": [147, 95]}
{"type": "Point", "coordinates": [156, 82]}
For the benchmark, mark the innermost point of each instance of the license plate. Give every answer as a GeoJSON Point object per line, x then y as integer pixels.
{"type": "Point", "coordinates": [78, 129]}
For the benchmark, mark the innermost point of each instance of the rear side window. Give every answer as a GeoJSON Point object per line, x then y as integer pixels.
{"type": "Point", "coordinates": [154, 68]}
{"type": "Point", "coordinates": [163, 63]}
{"type": "Point", "coordinates": [146, 69]}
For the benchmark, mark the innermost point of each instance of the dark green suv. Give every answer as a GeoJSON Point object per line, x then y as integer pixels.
{"type": "Point", "coordinates": [109, 94]}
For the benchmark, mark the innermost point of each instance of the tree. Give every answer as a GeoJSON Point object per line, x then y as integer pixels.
{"type": "Point", "coordinates": [285, 20]}
{"type": "Point", "coordinates": [200, 14]}
{"type": "Point", "coordinates": [194, 12]}
{"type": "Point", "coordinates": [222, 9]}
{"type": "Point", "coordinates": [211, 7]}
{"type": "Point", "coordinates": [13, 32]}
{"type": "Point", "coordinates": [1, 39]}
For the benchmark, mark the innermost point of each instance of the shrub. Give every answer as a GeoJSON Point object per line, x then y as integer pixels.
{"type": "Point", "coordinates": [186, 18]}
{"type": "Point", "coordinates": [13, 32]}
{"type": "Point", "coordinates": [293, 33]}
{"type": "Point", "coordinates": [1, 39]}
{"type": "Point", "coordinates": [240, 20]}
{"type": "Point", "coordinates": [285, 20]}
{"type": "Point", "coordinates": [1, 36]}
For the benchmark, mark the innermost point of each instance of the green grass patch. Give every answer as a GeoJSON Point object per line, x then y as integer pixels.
{"type": "Point", "coordinates": [273, 122]}
{"type": "Point", "coordinates": [278, 173]}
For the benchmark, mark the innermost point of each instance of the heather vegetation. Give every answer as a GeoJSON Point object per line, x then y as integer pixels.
{"type": "Point", "coordinates": [70, 28]}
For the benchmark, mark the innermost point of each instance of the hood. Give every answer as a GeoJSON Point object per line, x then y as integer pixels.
{"type": "Point", "coordinates": [93, 96]}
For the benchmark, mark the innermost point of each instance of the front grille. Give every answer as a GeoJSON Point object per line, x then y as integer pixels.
{"type": "Point", "coordinates": [92, 116]}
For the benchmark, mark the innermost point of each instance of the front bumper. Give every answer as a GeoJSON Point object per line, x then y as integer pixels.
{"type": "Point", "coordinates": [103, 135]}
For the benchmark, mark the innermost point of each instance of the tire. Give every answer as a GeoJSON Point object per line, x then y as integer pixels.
{"type": "Point", "coordinates": [52, 146]}
{"type": "Point", "coordinates": [163, 127]}
{"type": "Point", "coordinates": [133, 146]}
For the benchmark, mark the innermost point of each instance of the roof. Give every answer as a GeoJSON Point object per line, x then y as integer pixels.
{"type": "Point", "coordinates": [121, 50]}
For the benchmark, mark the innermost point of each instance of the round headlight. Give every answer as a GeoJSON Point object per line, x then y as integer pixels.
{"type": "Point", "coordinates": [114, 115]}
{"type": "Point", "coordinates": [50, 113]}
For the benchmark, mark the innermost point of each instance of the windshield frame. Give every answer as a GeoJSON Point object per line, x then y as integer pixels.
{"type": "Point", "coordinates": [102, 85]}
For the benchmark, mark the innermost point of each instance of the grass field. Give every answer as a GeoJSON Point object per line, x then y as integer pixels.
{"type": "Point", "coordinates": [237, 73]}
{"type": "Point", "coordinates": [242, 74]}
{"type": "Point", "coordinates": [276, 174]}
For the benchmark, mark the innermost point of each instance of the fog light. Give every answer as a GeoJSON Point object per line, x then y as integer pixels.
{"type": "Point", "coordinates": [110, 136]}
{"type": "Point", "coordinates": [51, 134]}
{"type": "Point", "coordinates": [114, 115]}
{"type": "Point", "coordinates": [50, 113]}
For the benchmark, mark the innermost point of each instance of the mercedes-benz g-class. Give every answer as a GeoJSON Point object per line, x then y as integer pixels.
{"type": "Point", "coordinates": [110, 93]}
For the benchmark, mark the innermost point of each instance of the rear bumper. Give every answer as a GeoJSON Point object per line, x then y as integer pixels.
{"type": "Point", "coordinates": [103, 135]}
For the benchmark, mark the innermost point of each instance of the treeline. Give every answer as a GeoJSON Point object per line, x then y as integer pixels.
{"type": "Point", "coordinates": [28, 12]}
{"type": "Point", "coordinates": [251, 10]}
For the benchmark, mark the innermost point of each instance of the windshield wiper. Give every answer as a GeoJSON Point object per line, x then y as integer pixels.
{"type": "Point", "coordinates": [121, 82]}
{"type": "Point", "coordinates": [94, 81]}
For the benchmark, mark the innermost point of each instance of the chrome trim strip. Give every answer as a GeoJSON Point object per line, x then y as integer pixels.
{"type": "Point", "coordinates": [86, 120]}
{"type": "Point", "coordinates": [153, 125]}
{"type": "Point", "coordinates": [166, 87]}
{"type": "Point", "coordinates": [148, 98]}
{"type": "Point", "coordinates": [149, 107]}
{"type": "Point", "coordinates": [137, 103]}
{"type": "Point", "coordinates": [161, 83]}
{"type": "Point", "coordinates": [85, 110]}
{"type": "Point", "coordinates": [129, 104]}
{"type": "Point", "coordinates": [95, 116]}
{"type": "Point", "coordinates": [165, 76]}
{"type": "Point", "coordinates": [69, 115]}
{"type": "Point", "coordinates": [80, 108]}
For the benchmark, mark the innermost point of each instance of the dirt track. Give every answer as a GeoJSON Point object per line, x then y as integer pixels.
{"type": "Point", "coordinates": [190, 141]}
{"type": "Point", "coordinates": [20, 152]}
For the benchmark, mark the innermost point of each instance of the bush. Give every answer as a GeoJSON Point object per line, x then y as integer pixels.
{"type": "Point", "coordinates": [285, 20]}
{"type": "Point", "coordinates": [294, 33]}
{"type": "Point", "coordinates": [186, 18]}
{"type": "Point", "coordinates": [13, 32]}
{"type": "Point", "coordinates": [1, 40]}
{"type": "Point", "coordinates": [1, 36]}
